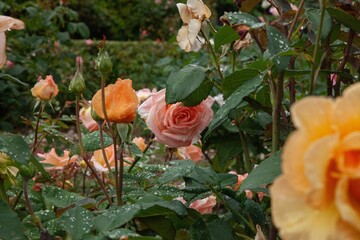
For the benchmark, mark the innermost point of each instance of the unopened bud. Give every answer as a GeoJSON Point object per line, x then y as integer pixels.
{"type": "Point", "coordinates": [103, 62]}
{"type": "Point", "coordinates": [77, 84]}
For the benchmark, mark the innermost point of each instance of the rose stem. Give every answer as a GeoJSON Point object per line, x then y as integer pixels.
{"type": "Point", "coordinates": [81, 149]}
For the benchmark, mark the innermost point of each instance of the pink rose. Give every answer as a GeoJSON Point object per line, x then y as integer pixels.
{"type": "Point", "coordinates": [144, 94]}
{"type": "Point", "coordinates": [87, 120]}
{"type": "Point", "coordinates": [204, 205]}
{"type": "Point", "coordinates": [89, 42]}
{"type": "Point", "coordinates": [176, 125]}
{"type": "Point", "coordinates": [57, 161]}
{"type": "Point", "coordinates": [191, 152]}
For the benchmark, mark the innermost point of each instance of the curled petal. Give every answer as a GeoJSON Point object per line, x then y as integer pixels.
{"type": "Point", "coordinates": [187, 34]}
{"type": "Point", "coordinates": [184, 12]}
{"type": "Point", "coordinates": [199, 9]}
{"type": "Point", "coordinates": [7, 23]}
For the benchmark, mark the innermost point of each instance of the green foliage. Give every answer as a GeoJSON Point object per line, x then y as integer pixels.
{"type": "Point", "coordinates": [10, 223]}
{"type": "Point", "coordinates": [92, 141]}
{"type": "Point", "coordinates": [15, 147]}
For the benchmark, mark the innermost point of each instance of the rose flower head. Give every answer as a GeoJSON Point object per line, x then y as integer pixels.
{"type": "Point", "coordinates": [45, 89]}
{"type": "Point", "coordinates": [317, 197]}
{"type": "Point", "coordinates": [57, 161]}
{"type": "Point", "coordinates": [7, 23]}
{"type": "Point", "coordinates": [193, 13]}
{"type": "Point", "coordinates": [205, 205]}
{"type": "Point", "coordinates": [190, 152]}
{"type": "Point", "coordinates": [120, 102]}
{"type": "Point", "coordinates": [174, 124]}
{"type": "Point", "coordinates": [87, 120]}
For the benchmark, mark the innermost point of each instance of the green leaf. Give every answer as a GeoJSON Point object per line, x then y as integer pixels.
{"type": "Point", "coordinates": [40, 167]}
{"type": "Point", "coordinates": [83, 30]}
{"type": "Point", "coordinates": [345, 18]}
{"type": "Point", "coordinates": [238, 78]}
{"type": "Point", "coordinates": [161, 208]}
{"type": "Point", "coordinates": [224, 35]}
{"type": "Point", "coordinates": [161, 225]}
{"type": "Point", "coordinates": [60, 197]}
{"type": "Point", "coordinates": [181, 84]}
{"type": "Point", "coordinates": [241, 18]}
{"type": "Point", "coordinates": [15, 147]}
{"type": "Point", "coordinates": [91, 141]}
{"type": "Point", "coordinates": [177, 170]}
{"type": "Point", "coordinates": [255, 212]}
{"type": "Point", "coordinates": [115, 217]}
{"type": "Point", "coordinates": [313, 15]}
{"type": "Point", "coordinates": [233, 102]}
{"type": "Point", "coordinates": [264, 173]}
{"type": "Point", "coordinates": [10, 224]}
{"type": "Point", "coordinates": [77, 222]}
{"type": "Point", "coordinates": [277, 43]}
{"type": "Point", "coordinates": [199, 94]}
{"type": "Point", "coordinates": [211, 229]}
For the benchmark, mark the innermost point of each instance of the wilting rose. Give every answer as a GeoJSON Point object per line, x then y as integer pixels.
{"type": "Point", "coordinates": [140, 142]}
{"type": "Point", "coordinates": [317, 196]}
{"type": "Point", "coordinates": [7, 23]}
{"type": "Point", "coordinates": [87, 120]}
{"type": "Point", "coordinates": [176, 125]}
{"type": "Point", "coordinates": [204, 205]}
{"type": "Point", "coordinates": [121, 102]}
{"type": "Point", "coordinates": [191, 152]}
{"type": "Point", "coordinates": [45, 89]}
{"type": "Point", "coordinates": [57, 161]}
{"type": "Point", "coordinates": [193, 13]}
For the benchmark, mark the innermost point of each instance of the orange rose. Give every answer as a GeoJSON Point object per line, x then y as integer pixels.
{"type": "Point", "coordinates": [99, 161]}
{"type": "Point", "coordinates": [140, 142]}
{"type": "Point", "coordinates": [45, 89]}
{"type": "Point", "coordinates": [57, 161]}
{"type": "Point", "coordinates": [121, 102]}
{"type": "Point", "coordinates": [317, 196]}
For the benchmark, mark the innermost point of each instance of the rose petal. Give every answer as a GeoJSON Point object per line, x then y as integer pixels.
{"type": "Point", "coordinates": [184, 12]}
{"type": "Point", "coordinates": [2, 49]}
{"type": "Point", "coordinates": [199, 9]}
{"type": "Point", "coordinates": [187, 34]}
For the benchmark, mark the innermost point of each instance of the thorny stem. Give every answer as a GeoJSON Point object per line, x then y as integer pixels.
{"type": "Point", "coordinates": [117, 187]}
{"type": "Point", "coordinates": [316, 50]}
{"type": "Point", "coordinates": [37, 127]}
{"type": "Point", "coordinates": [292, 27]}
{"type": "Point", "coordinates": [216, 61]}
{"type": "Point", "coordinates": [103, 99]}
{"type": "Point", "coordinates": [81, 149]}
{"type": "Point", "coordinates": [35, 219]}
{"type": "Point", "coordinates": [121, 173]}
{"type": "Point", "coordinates": [104, 152]}
{"type": "Point", "coordinates": [278, 97]}
{"type": "Point", "coordinates": [137, 158]}
{"type": "Point", "coordinates": [245, 147]}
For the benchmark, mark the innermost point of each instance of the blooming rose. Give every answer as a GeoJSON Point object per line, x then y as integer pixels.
{"type": "Point", "coordinates": [191, 152]}
{"type": "Point", "coordinates": [45, 89]}
{"type": "Point", "coordinates": [120, 99]}
{"type": "Point", "coordinates": [98, 159]}
{"type": "Point", "coordinates": [140, 142]}
{"type": "Point", "coordinates": [7, 23]}
{"type": "Point", "coordinates": [144, 94]}
{"type": "Point", "coordinates": [193, 13]}
{"type": "Point", "coordinates": [87, 120]}
{"type": "Point", "coordinates": [317, 196]}
{"type": "Point", "coordinates": [174, 124]}
{"type": "Point", "coordinates": [204, 205]}
{"type": "Point", "coordinates": [57, 161]}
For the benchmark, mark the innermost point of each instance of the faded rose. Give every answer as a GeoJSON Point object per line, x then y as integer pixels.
{"type": "Point", "coordinates": [121, 102]}
{"type": "Point", "coordinates": [205, 205]}
{"type": "Point", "coordinates": [45, 89]}
{"type": "Point", "coordinates": [176, 125]}
{"type": "Point", "coordinates": [317, 196]}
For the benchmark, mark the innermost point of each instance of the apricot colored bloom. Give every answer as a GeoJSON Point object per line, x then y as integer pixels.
{"type": "Point", "coordinates": [144, 94]}
{"type": "Point", "coordinates": [45, 89]}
{"type": "Point", "coordinates": [7, 23]}
{"type": "Point", "coordinates": [98, 159]}
{"type": "Point", "coordinates": [140, 142]}
{"type": "Point", "coordinates": [174, 124]}
{"type": "Point", "coordinates": [317, 196]}
{"type": "Point", "coordinates": [205, 205]}
{"type": "Point", "coordinates": [121, 102]}
{"type": "Point", "coordinates": [193, 13]}
{"type": "Point", "coordinates": [57, 161]}
{"type": "Point", "coordinates": [87, 120]}
{"type": "Point", "coordinates": [191, 152]}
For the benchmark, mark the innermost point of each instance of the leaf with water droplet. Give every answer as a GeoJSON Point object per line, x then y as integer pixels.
{"type": "Point", "coordinates": [15, 147]}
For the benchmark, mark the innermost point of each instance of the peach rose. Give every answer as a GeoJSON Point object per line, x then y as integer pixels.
{"type": "Point", "coordinates": [144, 94]}
{"type": "Point", "coordinates": [191, 152]}
{"type": "Point", "coordinates": [204, 205]}
{"type": "Point", "coordinates": [140, 142]}
{"type": "Point", "coordinates": [87, 120]}
{"type": "Point", "coordinates": [45, 89]}
{"type": "Point", "coordinates": [57, 161]}
{"type": "Point", "coordinates": [176, 125]}
{"type": "Point", "coordinates": [317, 196]}
{"type": "Point", "coordinates": [98, 159]}
{"type": "Point", "coordinates": [121, 102]}
{"type": "Point", "coordinates": [7, 23]}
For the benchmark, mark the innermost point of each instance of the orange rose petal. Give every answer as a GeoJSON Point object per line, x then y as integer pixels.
{"type": "Point", "coordinates": [348, 208]}
{"type": "Point", "coordinates": [317, 161]}
{"type": "Point", "coordinates": [313, 113]}
{"type": "Point", "coordinates": [346, 115]}
{"type": "Point", "coordinates": [296, 219]}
